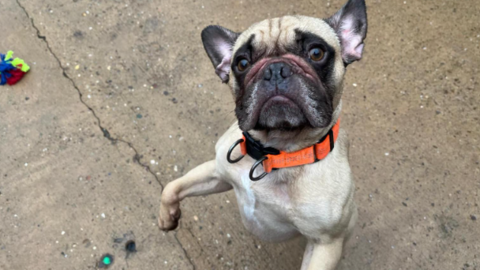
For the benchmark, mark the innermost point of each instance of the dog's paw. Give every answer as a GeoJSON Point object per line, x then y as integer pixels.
{"type": "Point", "coordinates": [169, 216]}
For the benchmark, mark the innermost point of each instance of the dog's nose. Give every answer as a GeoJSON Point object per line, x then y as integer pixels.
{"type": "Point", "coordinates": [277, 72]}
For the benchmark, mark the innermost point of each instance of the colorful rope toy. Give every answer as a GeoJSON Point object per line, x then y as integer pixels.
{"type": "Point", "coordinates": [11, 70]}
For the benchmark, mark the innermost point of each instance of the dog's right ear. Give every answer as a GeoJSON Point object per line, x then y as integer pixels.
{"type": "Point", "coordinates": [350, 23]}
{"type": "Point", "coordinates": [218, 43]}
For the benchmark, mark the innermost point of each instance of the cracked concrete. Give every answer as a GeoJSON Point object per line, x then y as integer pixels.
{"type": "Point", "coordinates": [146, 95]}
{"type": "Point", "coordinates": [184, 251]}
{"type": "Point", "coordinates": [105, 131]}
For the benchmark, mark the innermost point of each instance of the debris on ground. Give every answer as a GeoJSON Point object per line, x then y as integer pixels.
{"type": "Point", "coordinates": [105, 261]}
{"type": "Point", "coordinates": [12, 70]}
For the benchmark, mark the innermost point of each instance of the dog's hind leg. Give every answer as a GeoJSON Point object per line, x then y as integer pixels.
{"type": "Point", "coordinates": [307, 255]}
{"type": "Point", "coordinates": [322, 256]}
{"type": "Point", "coordinates": [202, 180]}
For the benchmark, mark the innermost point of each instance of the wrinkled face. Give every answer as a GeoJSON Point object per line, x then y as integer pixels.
{"type": "Point", "coordinates": [286, 73]}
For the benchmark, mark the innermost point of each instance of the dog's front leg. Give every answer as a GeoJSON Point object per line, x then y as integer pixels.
{"type": "Point", "coordinates": [202, 180]}
{"type": "Point", "coordinates": [322, 256]}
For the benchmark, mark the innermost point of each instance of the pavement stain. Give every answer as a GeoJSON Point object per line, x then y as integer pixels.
{"type": "Point", "coordinates": [447, 225]}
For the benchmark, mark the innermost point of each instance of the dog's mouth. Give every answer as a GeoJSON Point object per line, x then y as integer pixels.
{"type": "Point", "coordinates": [279, 112]}
{"type": "Point", "coordinates": [278, 100]}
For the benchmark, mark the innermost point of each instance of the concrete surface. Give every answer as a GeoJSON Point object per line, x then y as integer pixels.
{"type": "Point", "coordinates": [121, 99]}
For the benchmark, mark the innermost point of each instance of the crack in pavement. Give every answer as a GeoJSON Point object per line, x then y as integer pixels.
{"type": "Point", "coordinates": [185, 251]}
{"type": "Point", "coordinates": [106, 133]}
{"type": "Point", "coordinates": [137, 157]}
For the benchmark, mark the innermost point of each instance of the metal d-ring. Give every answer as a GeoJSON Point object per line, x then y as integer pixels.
{"type": "Point", "coordinates": [231, 150]}
{"type": "Point", "coordinates": [255, 165]}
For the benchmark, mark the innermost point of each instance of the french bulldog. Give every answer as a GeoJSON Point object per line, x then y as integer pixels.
{"type": "Point", "coordinates": [286, 77]}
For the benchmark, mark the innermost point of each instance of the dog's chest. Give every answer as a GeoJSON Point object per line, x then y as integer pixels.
{"type": "Point", "coordinates": [275, 196]}
{"type": "Point", "coordinates": [265, 207]}
{"type": "Point", "coordinates": [292, 201]}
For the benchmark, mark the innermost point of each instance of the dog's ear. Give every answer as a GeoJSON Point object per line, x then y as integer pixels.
{"type": "Point", "coordinates": [350, 24]}
{"type": "Point", "coordinates": [218, 43]}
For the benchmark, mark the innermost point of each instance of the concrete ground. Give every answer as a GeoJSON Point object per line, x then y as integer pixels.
{"type": "Point", "coordinates": [121, 99]}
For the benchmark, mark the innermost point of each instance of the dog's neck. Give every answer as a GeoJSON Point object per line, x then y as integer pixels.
{"type": "Point", "coordinates": [291, 141]}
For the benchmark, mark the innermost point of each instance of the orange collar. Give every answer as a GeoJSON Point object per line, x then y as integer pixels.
{"type": "Point", "coordinates": [272, 159]}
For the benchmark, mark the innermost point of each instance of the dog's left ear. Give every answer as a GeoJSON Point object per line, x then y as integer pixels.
{"type": "Point", "coordinates": [218, 43]}
{"type": "Point", "coordinates": [350, 23]}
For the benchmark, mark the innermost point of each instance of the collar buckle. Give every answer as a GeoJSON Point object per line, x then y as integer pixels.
{"type": "Point", "coordinates": [255, 165]}
{"type": "Point", "coordinates": [229, 154]}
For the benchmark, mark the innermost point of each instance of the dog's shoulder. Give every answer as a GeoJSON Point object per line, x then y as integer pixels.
{"type": "Point", "coordinates": [228, 138]}
{"type": "Point", "coordinates": [343, 143]}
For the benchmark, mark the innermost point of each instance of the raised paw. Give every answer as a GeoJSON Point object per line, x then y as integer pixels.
{"type": "Point", "coordinates": [169, 216]}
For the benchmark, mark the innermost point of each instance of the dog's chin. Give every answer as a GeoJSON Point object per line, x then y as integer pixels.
{"type": "Point", "coordinates": [280, 113]}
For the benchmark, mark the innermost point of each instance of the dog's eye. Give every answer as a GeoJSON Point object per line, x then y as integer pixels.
{"type": "Point", "coordinates": [243, 64]}
{"type": "Point", "coordinates": [316, 54]}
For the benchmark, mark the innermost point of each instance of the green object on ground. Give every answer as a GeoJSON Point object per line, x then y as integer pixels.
{"type": "Point", "coordinates": [107, 260]}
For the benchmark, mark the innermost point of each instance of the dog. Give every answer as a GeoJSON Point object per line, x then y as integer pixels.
{"type": "Point", "coordinates": [286, 157]}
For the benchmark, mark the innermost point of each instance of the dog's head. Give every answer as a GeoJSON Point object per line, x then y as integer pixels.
{"type": "Point", "coordinates": [286, 73]}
